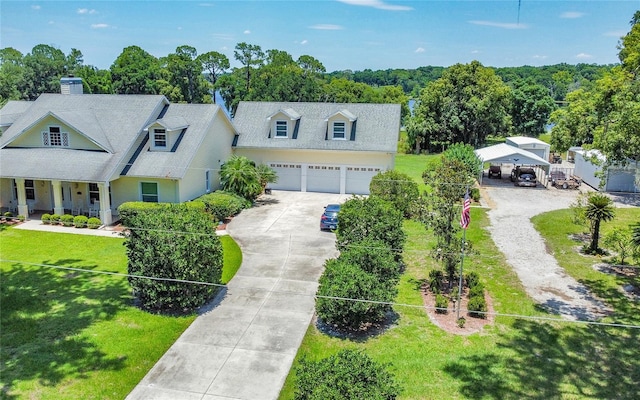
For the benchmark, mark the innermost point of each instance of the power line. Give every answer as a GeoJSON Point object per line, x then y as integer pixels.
{"type": "Point", "coordinates": [392, 304]}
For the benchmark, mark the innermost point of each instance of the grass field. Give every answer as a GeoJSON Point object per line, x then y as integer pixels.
{"type": "Point", "coordinates": [514, 358]}
{"type": "Point", "coordinates": [75, 335]}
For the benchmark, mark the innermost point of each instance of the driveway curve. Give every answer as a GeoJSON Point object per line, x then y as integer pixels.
{"type": "Point", "coordinates": [242, 346]}
{"type": "Point", "coordinates": [543, 279]}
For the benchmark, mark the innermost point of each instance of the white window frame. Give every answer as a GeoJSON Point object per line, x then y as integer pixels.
{"type": "Point", "coordinates": [143, 194]}
{"type": "Point", "coordinates": [207, 180]}
{"type": "Point", "coordinates": [158, 135]}
{"type": "Point", "coordinates": [94, 193]}
{"type": "Point", "coordinates": [55, 133]}
{"type": "Point", "coordinates": [278, 131]}
{"type": "Point", "coordinates": [344, 130]}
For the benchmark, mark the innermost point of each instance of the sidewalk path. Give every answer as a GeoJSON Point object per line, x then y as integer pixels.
{"type": "Point", "coordinates": [243, 345]}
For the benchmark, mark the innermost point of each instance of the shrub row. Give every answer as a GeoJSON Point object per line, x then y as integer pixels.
{"type": "Point", "coordinates": [79, 221]}
{"type": "Point", "coordinates": [131, 209]}
{"type": "Point", "coordinates": [368, 268]}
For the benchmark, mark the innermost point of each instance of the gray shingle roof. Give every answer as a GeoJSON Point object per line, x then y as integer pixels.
{"type": "Point", "coordinates": [175, 164]}
{"type": "Point", "coordinates": [378, 126]}
{"type": "Point", "coordinates": [12, 111]}
{"type": "Point", "coordinates": [115, 122]}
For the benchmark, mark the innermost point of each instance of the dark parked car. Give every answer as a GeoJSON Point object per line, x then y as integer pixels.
{"type": "Point", "coordinates": [524, 177]}
{"type": "Point", "coordinates": [495, 170]}
{"type": "Point", "coordinates": [329, 218]}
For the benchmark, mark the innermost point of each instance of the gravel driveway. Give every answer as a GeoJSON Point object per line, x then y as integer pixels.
{"type": "Point", "coordinates": [512, 231]}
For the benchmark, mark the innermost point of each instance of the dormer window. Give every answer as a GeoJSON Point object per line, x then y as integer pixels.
{"type": "Point", "coordinates": [160, 138]}
{"type": "Point", "coordinates": [339, 130]}
{"type": "Point", "coordinates": [282, 129]}
{"type": "Point", "coordinates": [54, 137]}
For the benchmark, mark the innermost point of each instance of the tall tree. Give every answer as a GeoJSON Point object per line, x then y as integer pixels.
{"type": "Point", "coordinates": [465, 105]}
{"type": "Point", "coordinates": [186, 74]}
{"type": "Point", "coordinates": [250, 56]}
{"type": "Point", "coordinates": [11, 75]}
{"type": "Point", "coordinates": [530, 108]}
{"type": "Point", "coordinates": [44, 67]}
{"type": "Point", "coordinates": [214, 64]}
{"type": "Point", "coordinates": [135, 72]}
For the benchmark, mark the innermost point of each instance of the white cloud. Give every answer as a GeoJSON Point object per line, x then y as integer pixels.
{"type": "Point", "coordinates": [100, 26]}
{"type": "Point", "coordinates": [475, 51]}
{"type": "Point", "coordinates": [304, 42]}
{"type": "Point", "coordinates": [617, 34]}
{"type": "Point", "coordinates": [539, 57]}
{"type": "Point", "coordinates": [247, 32]}
{"type": "Point", "coordinates": [380, 5]}
{"type": "Point", "coordinates": [572, 15]}
{"type": "Point", "coordinates": [35, 7]}
{"type": "Point", "coordinates": [504, 25]}
{"type": "Point", "coordinates": [86, 11]}
{"type": "Point", "coordinates": [419, 50]}
{"type": "Point", "coordinates": [326, 27]}
{"type": "Point", "coordinates": [584, 56]}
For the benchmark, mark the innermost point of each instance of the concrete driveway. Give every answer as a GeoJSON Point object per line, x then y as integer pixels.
{"type": "Point", "coordinates": [243, 346]}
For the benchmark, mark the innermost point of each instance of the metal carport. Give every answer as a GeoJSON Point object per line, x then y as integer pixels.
{"type": "Point", "coordinates": [506, 154]}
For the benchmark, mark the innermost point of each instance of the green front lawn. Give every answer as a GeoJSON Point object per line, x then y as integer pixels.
{"type": "Point", "coordinates": [514, 358]}
{"type": "Point", "coordinates": [75, 335]}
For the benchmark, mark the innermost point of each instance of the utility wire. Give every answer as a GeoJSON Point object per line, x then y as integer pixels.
{"type": "Point", "coordinates": [395, 304]}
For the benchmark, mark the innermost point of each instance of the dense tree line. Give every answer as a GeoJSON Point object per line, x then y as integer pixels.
{"type": "Point", "coordinates": [607, 115]}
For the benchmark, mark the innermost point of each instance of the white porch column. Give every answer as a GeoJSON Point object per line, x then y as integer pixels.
{"type": "Point", "coordinates": [23, 208]}
{"type": "Point", "coordinates": [343, 179]}
{"type": "Point", "coordinates": [105, 204]}
{"type": "Point", "coordinates": [58, 207]}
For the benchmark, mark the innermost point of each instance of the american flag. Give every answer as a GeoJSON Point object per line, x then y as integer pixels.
{"type": "Point", "coordinates": [465, 217]}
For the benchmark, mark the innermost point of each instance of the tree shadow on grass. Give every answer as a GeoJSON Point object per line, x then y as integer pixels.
{"type": "Point", "coordinates": [44, 312]}
{"type": "Point", "coordinates": [550, 361]}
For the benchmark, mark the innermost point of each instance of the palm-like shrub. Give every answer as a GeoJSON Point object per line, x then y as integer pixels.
{"type": "Point", "coordinates": [599, 208]}
{"type": "Point", "coordinates": [238, 175]}
{"type": "Point", "coordinates": [266, 175]}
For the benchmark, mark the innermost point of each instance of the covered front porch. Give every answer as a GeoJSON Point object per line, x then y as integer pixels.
{"type": "Point", "coordinates": [23, 196]}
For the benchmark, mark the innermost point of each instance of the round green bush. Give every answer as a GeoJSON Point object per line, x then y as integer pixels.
{"type": "Point", "coordinates": [55, 219]}
{"type": "Point", "coordinates": [46, 219]}
{"type": "Point", "coordinates": [472, 279]}
{"type": "Point", "coordinates": [67, 220]}
{"type": "Point", "coordinates": [349, 374]}
{"type": "Point", "coordinates": [80, 221]}
{"type": "Point", "coordinates": [373, 256]}
{"type": "Point", "coordinates": [477, 307]}
{"type": "Point", "coordinates": [442, 304]}
{"type": "Point", "coordinates": [347, 281]}
{"type": "Point", "coordinates": [94, 223]}
{"type": "Point", "coordinates": [477, 290]}
{"type": "Point", "coordinates": [8, 214]}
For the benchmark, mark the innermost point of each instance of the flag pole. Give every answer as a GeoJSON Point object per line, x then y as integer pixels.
{"type": "Point", "coordinates": [464, 237]}
{"type": "Point", "coordinates": [464, 222]}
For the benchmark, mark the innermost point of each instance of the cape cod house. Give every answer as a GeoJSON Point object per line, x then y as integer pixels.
{"type": "Point", "coordinates": [89, 153]}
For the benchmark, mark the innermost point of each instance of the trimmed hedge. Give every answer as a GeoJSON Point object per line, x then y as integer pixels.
{"type": "Point", "coordinates": [349, 374]}
{"type": "Point", "coordinates": [55, 218]}
{"type": "Point", "coordinates": [94, 223]}
{"type": "Point", "coordinates": [130, 209]}
{"type": "Point", "coordinates": [80, 221]}
{"type": "Point", "coordinates": [46, 219]}
{"type": "Point", "coordinates": [222, 204]}
{"type": "Point", "coordinates": [67, 220]}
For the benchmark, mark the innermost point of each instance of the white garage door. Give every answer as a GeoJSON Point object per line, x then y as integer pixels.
{"type": "Point", "coordinates": [289, 176]}
{"type": "Point", "coordinates": [358, 179]}
{"type": "Point", "coordinates": [620, 181]}
{"type": "Point", "coordinates": [323, 178]}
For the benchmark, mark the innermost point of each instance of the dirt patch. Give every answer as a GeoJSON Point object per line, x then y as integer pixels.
{"type": "Point", "coordinates": [448, 322]}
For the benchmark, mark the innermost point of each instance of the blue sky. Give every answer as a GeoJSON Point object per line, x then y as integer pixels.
{"type": "Point", "coordinates": [342, 34]}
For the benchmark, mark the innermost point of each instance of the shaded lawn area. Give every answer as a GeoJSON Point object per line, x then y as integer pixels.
{"type": "Point", "coordinates": [515, 358]}
{"type": "Point", "coordinates": [74, 335]}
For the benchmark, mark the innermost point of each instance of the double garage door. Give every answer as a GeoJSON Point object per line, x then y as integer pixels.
{"type": "Point", "coordinates": [323, 178]}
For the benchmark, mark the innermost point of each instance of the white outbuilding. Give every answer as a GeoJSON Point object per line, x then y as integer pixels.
{"type": "Point", "coordinates": [530, 144]}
